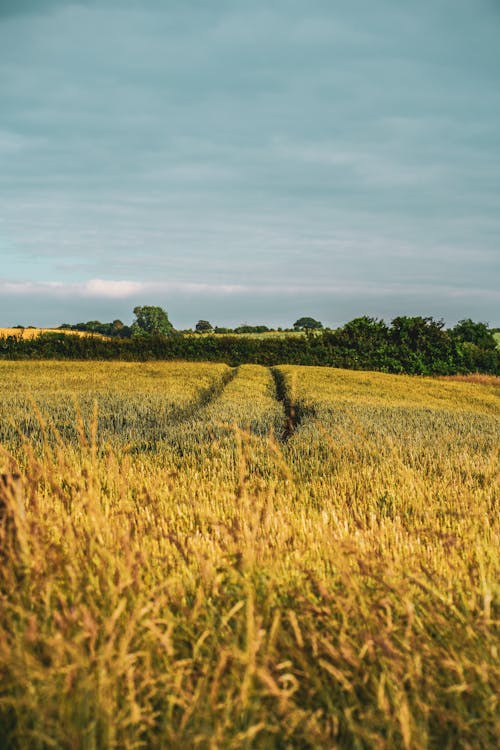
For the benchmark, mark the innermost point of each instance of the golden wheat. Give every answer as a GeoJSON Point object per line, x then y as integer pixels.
{"type": "Point", "coordinates": [32, 333]}
{"type": "Point", "coordinates": [197, 576]}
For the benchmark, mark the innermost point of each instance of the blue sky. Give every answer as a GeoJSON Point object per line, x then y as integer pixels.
{"type": "Point", "coordinates": [249, 161]}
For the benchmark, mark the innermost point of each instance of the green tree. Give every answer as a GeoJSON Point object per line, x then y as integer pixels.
{"type": "Point", "coordinates": [151, 321]}
{"type": "Point", "coordinates": [245, 328]}
{"type": "Point", "coordinates": [424, 347]}
{"type": "Point", "coordinates": [474, 333]}
{"type": "Point", "coordinates": [203, 326]}
{"type": "Point", "coordinates": [307, 324]}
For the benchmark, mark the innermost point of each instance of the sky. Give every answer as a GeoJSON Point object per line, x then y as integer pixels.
{"type": "Point", "coordinates": [249, 161]}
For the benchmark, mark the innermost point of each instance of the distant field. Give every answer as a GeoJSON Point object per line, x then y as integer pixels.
{"type": "Point", "coordinates": [30, 333]}
{"type": "Point", "coordinates": [200, 556]}
{"type": "Point", "coordinates": [497, 338]}
{"type": "Point", "coordinates": [265, 334]}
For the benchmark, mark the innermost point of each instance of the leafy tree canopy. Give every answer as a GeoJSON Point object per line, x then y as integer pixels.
{"type": "Point", "coordinates": [307, 324]}
{"type": "Point", "coordinates": [245, 328]}
{"type": "Point", "coordinates": [203, 326]}
{"type": "Point", "coordinates": [151, 321]}
{"type": "Point", "coordinates": [474, 333]}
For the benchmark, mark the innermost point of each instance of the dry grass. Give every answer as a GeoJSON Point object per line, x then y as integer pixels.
{"type": "Point", "coordinates": [190, 580]}
{"type": "Point", "coordinates": [477, 377]}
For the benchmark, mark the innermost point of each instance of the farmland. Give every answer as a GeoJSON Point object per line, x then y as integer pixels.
{"type": "Point", "coordinates": [33, 333]}
{"type": "Point", "coordinates": [201, 556]}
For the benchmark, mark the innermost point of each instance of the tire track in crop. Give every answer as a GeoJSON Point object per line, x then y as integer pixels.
{"type": "Point", "coordinates": [180, 416]}
{"type": "Point", "coordinates": [294, 412]}
{"type": "Point", "coordinates": [282, 395]}
{"type": "Point", "coordinates": [205, 397]}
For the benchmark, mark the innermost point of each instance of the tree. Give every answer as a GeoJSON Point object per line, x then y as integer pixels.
{"type": "Point", "coordinates": [474, 333]}
{"type": "Point", "coordinates": [424, 347]}
{"type": "Point", "coordinates": [119, 329]}
{"type": "Point", "coordinates": [91, 325]}
{"type": "Point", "coordinates": [245, 328]}
{"type": "Point", "coordinates": [151, 321]}
{"type": "Point", "coordinates": [307, 324]}
{"type": "Point", "coordinates": [363, 343]}
{"type": "Point", "coordinates": [367, 335]}
{"type": "Point", "coordinates": [203, 326]}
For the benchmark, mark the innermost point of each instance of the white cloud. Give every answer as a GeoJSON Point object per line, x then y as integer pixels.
{"type": "Point", "coordinates": [110, 289]}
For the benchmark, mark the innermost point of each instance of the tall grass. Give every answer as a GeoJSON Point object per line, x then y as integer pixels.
{"type": "Point", "coordinates": [221, 587]}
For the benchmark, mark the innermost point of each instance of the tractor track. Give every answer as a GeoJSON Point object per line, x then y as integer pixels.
{"type": "Point", "coordinates": [291, 414]}
{"type": "Point", "coordinates": [205, 397]}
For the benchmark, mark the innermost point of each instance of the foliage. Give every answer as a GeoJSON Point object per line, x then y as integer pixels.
{"type": "Point", "coordinates": [177, 572]}
{"type": "Point", "coordinates": [478, 334]}
{"type": "Point", "coordinates": [151, 321]}
{"type": "Point", "coordinates": [116, 328]}
{"type": "Point", "coordinates": [245, 328]}
{"type": "Point", "coordinates": [422, 345]}
{"type": "Point", "coordinates": [203, 326]}
{"type": "Point", "coordinates": [303, 324]}
{"type": "Point", "coordinates": [416, 345]}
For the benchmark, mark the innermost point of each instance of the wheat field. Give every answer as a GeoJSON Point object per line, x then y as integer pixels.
{"type": "Point", "coordinates": [199, 556]}
{"type": "Point", "coordinates": [33, 333]}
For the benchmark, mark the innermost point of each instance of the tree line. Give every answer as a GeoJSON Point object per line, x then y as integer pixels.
{"type": "Point", "coordinates": [151, 320]}
{"type": "Point", "coordinates": [415, 345]}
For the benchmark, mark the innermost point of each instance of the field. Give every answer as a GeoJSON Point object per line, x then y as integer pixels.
{"type": "Point", "coordinates": [262, 335]}
{"type": "Point", "coordinates": [199, 556]}
{"type": "Point", "coordinates": [32, 333]}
